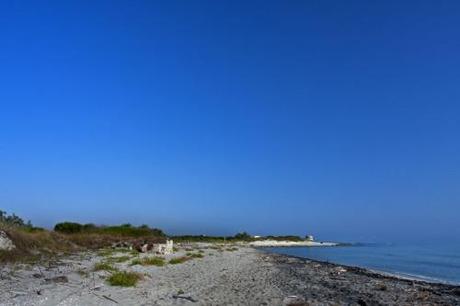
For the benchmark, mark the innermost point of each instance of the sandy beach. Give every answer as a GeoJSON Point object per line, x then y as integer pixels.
{"type": "Point", "coordinates": [223, 276]}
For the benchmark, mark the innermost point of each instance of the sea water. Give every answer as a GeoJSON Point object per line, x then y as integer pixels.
{"type": "Point", "coordinates": [439, 263]}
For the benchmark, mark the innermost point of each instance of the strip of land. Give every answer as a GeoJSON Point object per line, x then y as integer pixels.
{"type": "Point", "coordinates": [284, 243]}
{"type": "Point", "coordinates": [207, 274]}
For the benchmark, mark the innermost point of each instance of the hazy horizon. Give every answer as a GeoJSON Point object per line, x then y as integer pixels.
{"type": "Point", "coordinates": [337, 119]}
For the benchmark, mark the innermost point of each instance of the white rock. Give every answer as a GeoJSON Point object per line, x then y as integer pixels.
{"type": "Point", "coordinates": [5, 242]}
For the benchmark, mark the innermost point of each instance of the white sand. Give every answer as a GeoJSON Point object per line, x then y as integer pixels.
{"type": "Point", "coordinates": [221, 277]}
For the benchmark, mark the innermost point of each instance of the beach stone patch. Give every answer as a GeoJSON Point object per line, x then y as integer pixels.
{"type": "Point", "coordinates": [6, 244]}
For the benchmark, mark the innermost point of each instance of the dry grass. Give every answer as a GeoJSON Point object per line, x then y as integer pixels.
{"type": "Point", "coordinates": [93, 240]}
{"type": "Point", "coordinates": [32, 246]}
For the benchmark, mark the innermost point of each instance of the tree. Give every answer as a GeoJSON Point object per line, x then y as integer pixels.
{"type": "Point", "coordinates": [242, 236]}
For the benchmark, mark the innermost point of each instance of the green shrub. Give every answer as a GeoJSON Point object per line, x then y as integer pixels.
{"type": "Point", "coordinates": [124, 279]}
{"type": "Point", "coordinates": [16, 221]}
{"type": "Point", "coordinates": [131, 231]}
{"type": "Point", "coordinates": [179, 260]}
{"type": "Point", "coordinates": [118, 230]}
{"type": "Point", "coordinates": [136, 261]}
{"type": "Point", "coordinates": [153, 261]}
{"type": "Point", "coordinates": [104, 266]}
{"type": "Point", "coordinates": [89, 226]}
{"type": "Point", "coordinates": [149, 261]}
{"type": "Point", "coordinates": [68, 227]}
{"type": "Point", "coordinates": [242, 236]}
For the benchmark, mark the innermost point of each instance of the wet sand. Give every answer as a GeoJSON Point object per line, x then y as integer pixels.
{"type": "Point", "coordinates": [224, 276]}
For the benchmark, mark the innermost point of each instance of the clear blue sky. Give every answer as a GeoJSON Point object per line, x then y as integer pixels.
{"type": "Point", "coordinates": [337, 118]}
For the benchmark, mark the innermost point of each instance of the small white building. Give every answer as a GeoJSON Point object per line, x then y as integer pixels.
{"type": "Point", "coordinates": [163, 248]}
{"type": "Point", "coordinates": [309, 238]}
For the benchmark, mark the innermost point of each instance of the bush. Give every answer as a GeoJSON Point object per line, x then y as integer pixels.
{"type": "Point", "coordinates": [195, 255]}
{"type": "Point", "coordinates": [285, 238]}
{"type": "Point", "coordinates": [104, 266]}
{"type": "Point", "coordinates": [124, 279]}
{"type": "Point", "coordinates": [153, 261]}
{"type": "Point", "coordinates": [119, 230]}
{"type": "Point", "coordinates": [131, 231]}
{"type": "Point", "coordinates": [136, 261]}
{"type": "Point", "coordinates": [179, 260]}
{"type": "Point", "coordinates": [199, 238]}
{"type": "Point", "coordinates": [242, 236]}
{"type": "Point", "coordinates": [89, 226]}
{"type": "Point", "coordinates": [68, 227]}
{"type": "Point", "coordinates": [149, 261]}
{"type": "Point", "coordinates": [13, 220]}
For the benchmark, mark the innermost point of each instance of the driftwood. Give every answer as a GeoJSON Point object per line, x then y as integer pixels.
{"type": "Point", "coordinates": [110, 299]}
{"type": "Point", "coordinates": [184, 297]}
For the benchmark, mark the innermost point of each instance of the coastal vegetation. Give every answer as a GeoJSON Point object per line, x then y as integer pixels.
{"type": "Point", "coordinates": [104, 266]}
{"type": "Point", "coordinates": [126, 229]}
{"type": "Point", "coordinates": [194, 255]}
{"type": "Point", "coordinates": [118, 259]}
{"type": "Point", "coordinates": [34, 243]}
{"type": "Point", "coordinates": [149, 261]}
{"type": "Point", "coordinates": [239, 237]}
{"type": "Point", "coordinates": [179, 260]}
{"type": "Point", "coordinates": [124, 279]}
{"type": "Point", "coordinates": [13, 220]}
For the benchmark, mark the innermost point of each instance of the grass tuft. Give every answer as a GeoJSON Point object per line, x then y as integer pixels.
{"type": "Point", "coordinates": [136, 261]}
{"type": "Point", "coordinates": [124, 279]}
{"type": "Point", "coordinates": [179, 260]}
{"type": "Point", "coordinates": [118, 259]}
{"type": "Point", "coordinates": [153, 261]}
{"type": "Point", "coordinates": [149, 261]}
{"type": "Point", "coordinates": [195, 255]}
{"type": "Point", "coordinates": [104, 266]}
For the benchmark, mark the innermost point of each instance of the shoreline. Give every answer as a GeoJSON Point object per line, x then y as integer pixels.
{"type": "Point", "coordinates": [395, 275]}
{"type": "Point", "coordinates": [380, 287]}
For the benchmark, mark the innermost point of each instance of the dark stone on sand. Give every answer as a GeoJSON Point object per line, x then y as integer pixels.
{"type": "Point", "coordinates": [57, 279]}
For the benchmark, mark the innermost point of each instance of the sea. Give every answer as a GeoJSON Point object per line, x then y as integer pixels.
{"type": "Point", "coordinates": [434, 263]}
